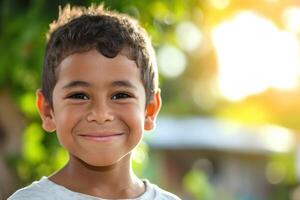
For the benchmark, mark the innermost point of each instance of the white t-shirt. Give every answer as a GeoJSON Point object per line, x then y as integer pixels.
{"type": "Point", "coordinates": [44, 189]}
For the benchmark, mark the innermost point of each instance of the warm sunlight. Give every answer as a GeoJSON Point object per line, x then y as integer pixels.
{"type": "Point", "coordinates": [254, 55]}
{"type": "Point", "coordinates": [277, 138]}
{"type": "Point", "coordinates": [291, 19]}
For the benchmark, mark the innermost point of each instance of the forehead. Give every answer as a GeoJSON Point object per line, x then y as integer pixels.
{"type": "Point", "coordinates": [92, 65]}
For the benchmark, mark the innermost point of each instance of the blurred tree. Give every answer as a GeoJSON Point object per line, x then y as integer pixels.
{"type": "Point", "coordinates": [196, 182]}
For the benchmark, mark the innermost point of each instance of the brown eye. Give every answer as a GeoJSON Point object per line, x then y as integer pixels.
{"type": "Point", "coordinates": [120, 95]}
{"type": "Point", "coordinates": [80, 96]}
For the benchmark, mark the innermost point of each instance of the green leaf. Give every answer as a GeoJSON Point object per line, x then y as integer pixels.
{"type": "Point", "coordinates": [33, 149]}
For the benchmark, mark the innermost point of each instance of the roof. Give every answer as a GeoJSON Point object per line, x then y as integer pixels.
{"type": "Point", "coordinates": [213, 134]}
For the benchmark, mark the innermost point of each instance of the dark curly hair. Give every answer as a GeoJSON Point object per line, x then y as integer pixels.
{"type": "Point", "coordinates": [80, 29]}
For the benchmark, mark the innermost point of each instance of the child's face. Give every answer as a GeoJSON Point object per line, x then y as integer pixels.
{"type": "Point", "coordinates": [98, 107]}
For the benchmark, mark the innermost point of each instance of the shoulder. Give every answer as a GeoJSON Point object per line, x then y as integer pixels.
{"type": "Point", "coordinates": [45, 189]}
{"type": "Point", "coordinates": [38, 190]}
{"type": "Point", "coordinates": [160, 193]}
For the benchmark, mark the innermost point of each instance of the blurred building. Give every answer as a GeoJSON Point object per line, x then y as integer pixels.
{"type": "Point", "coordinates": [237, 159]}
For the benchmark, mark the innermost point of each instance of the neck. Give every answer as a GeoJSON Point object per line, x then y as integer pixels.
{"type": "Point", "coordinates": [114, 181]}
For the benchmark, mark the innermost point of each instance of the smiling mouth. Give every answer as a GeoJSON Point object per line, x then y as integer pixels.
{"type": "Point", "coordinates": [96, 137]}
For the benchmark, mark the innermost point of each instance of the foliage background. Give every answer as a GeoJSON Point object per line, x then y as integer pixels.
{"type": "Point", "coordinates": [23, 27]}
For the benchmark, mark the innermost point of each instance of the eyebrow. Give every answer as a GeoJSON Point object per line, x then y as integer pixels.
{"type": "Point", "coordinates": [78, 83]}
{"type": "Point", "coordinates": [73, 84]}
{"type": "Point", "coordinates": [123, 83]}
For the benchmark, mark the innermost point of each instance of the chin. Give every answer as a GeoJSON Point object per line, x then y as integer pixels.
{"type": "Point", "coordinates": [101, 163]}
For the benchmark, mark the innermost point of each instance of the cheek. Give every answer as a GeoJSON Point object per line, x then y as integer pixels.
{"type": "Point", "coordinates": [68, 116]}
{"type": "Point", "coordinates": [134, 116]}
{"type": "Point", "coordinates": [66, 120]}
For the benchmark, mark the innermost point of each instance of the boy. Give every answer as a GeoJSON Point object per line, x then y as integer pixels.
{"type": "Point", "coordinates": [99, 93]}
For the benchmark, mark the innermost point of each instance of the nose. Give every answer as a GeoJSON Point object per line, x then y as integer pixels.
{"type": "Point", "coordinates": [100, 112]}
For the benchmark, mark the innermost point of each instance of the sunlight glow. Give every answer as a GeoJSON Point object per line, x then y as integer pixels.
{"type": "Point", "coordinates": [220, 4]}
{"type": "Point", "coordinates": [171, 61]}
{"type": "Point", "coordinates": [188, 36]}
{"type": "Point", "coordinates": [254, 55]}
{"type": "Point", "coordinates": [278, 139]}
{"type": "Point", "coordinates": [271, 1]}
{"type": "Point", "coordinates": [291, 18]}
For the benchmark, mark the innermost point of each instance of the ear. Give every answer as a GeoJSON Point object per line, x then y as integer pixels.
{"type": "Point", "coordinates": [45, 111]}
{"type": "Point", "coordinates": [152, 111]}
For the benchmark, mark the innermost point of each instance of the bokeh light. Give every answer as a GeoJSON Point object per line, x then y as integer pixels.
{"type": "Point", "coordinates": [278, 138]}
{"type": "Point", "coordinates": [188, 36]}
{"type": "Point", "coordinates": [291, 19]}
{"type": "Point", "coordinates": [254, 55]}
{"type": "Point", "coordinates": [171, 61]}
{"type": "Point", "coordinates": [275, 172]}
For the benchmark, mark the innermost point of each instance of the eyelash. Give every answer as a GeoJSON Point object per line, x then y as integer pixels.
{"type": "Point", "coordinates": [122, 95]}
{"type": "Point", "coordinates": [83, 96]}
{"type": "Point", "coordinates": [80, 96]}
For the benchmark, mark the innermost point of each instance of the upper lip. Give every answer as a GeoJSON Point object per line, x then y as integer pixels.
{"type": "Point", "coordinates": [100, 134]}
